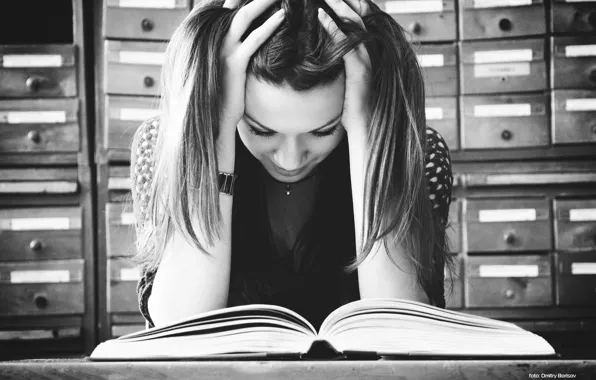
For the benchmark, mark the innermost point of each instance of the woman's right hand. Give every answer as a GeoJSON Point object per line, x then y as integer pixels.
{"type": "Point", "coordinates": [235, 55]}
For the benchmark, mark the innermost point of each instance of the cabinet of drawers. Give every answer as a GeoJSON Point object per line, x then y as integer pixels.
{"type": "Point", "coordinates": [501, 18]}
{"type": "Point", "coordinates": [509, 281]}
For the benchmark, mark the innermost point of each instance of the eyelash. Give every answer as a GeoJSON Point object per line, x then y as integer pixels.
{"type": "Point", "coordinates": [326, 133]}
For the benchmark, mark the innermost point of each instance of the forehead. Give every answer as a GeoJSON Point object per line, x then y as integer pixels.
{"type": "Point", "coordinates": [285, 110]}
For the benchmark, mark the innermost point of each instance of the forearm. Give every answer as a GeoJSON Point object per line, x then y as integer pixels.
{"type": "Point", "coordinates": [378, 275]}
{"type": "Point", "coordinates": [187, 281]}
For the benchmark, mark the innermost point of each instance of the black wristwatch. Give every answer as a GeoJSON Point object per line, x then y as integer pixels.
{"type": "Point", "coordinates": [226, 182]}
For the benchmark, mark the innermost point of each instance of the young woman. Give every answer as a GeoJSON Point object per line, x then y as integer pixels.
{"type": "Point", "coordinates": [291, 164]}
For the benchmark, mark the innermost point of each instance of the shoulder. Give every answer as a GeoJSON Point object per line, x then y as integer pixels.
{"type": "Point", "coordinates": [438, 172]}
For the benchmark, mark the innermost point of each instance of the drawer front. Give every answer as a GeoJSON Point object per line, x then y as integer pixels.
{"type": "Point", "coordinates": [441, 115]}
{"type": "Point", "coordinates": [119, 330]}
{"type": "Point", "coordinates": [42, 288]}
{"type": "Point", "coordinates": [577, 278]}
{"type": "Point", "coordinates": [34, 334]}
{"type": "Point", "coordinates": [123, 280]}
{"type": "Point", "coordinates": [425, 21]}
{"type": "Point", "coordinates": [509, 281]}
{"type": "Point", "coordinates": [45, 125]}
{"type": "Point", "coordinates": [134, 68]}
{"type": "Point", "coordinates": [574, 62]}
{"type": "Point", "coordinates": [120, 230]}
{"type": "Point", "coordinates": [574, 116]}
{"type": "Point", "coordinates": [494, 19]}
{"type": "Point", "coordinates": [141, 20]}
{"type": "Point", "coordinates": [505, 121]}
{"type": "Point", "coordinates": [439, 65]}
{"type": "Point", "coordinates": [575, 224]}
{"type": "Point", "coordinates": [508, 225]}
{"type": "Point", "coordinates": [125, 115]}
{"type": "Point", "coordinates": [491, 67]}
{"type": "Point", "coordinates": [37, 71]}
{"type": "Point", "coordinates": [573, 17]}
{"type": "Point", "coordinates": [38, 181]}
{"type": "Point", "coordinates": [454, 286]}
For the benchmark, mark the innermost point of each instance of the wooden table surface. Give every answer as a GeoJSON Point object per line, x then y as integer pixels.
{"type": "Point", "coordinates": [286, 370]}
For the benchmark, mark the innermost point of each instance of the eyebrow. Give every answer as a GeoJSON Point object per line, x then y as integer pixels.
{"type": "Point", "coordinates": [334, 120]}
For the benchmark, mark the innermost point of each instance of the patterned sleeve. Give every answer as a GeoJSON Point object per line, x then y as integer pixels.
{"type": "Point", "coordinates": [141, 172]}
{"type": "Point", "coordinates": [438, 173]}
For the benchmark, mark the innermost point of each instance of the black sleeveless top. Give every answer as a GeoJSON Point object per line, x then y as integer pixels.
{"type": "Point", "coordinates": [312, 295]}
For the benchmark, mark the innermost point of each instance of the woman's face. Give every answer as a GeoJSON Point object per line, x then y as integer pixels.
{"type": "Point", "coordinates": [291, 132]}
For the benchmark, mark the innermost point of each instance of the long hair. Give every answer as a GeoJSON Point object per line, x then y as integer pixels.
{"type": "Point", "coordinates": [301, 55]}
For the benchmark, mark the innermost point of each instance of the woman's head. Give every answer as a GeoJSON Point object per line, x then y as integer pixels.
{"type": "Point", "coordinates": [295, 85]}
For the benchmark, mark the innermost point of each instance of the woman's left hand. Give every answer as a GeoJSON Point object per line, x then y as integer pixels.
{"type": "Point", "coordinates": [357, 66]}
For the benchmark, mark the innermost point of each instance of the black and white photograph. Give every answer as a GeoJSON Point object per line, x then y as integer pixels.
{"type": "Point", "coordinates": [298, 189]}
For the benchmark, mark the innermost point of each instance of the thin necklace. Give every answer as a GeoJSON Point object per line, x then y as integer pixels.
{"type": "Point", "coordinates": [288, 185]}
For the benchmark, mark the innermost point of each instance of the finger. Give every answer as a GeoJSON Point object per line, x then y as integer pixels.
{"type": "Point", "coordinates": [231, 4]}
{"type": "Point", "coordinates": [343, 10]}
{"type": "Point", "coordinates": [258, 36]}
{"type": "Point", "coordinates": [359, 6]}
{"type": "Point", "coordinates": [246, 15]}
{"type": "Point", "coordinates": [351, 59]}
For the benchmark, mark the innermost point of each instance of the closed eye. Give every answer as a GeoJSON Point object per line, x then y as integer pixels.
{"type": "Point", "coordinates": [327, 132]}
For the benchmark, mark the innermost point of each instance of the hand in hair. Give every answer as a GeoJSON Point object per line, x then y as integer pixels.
{"type": "Point", "coordinates": [357, 65]}
{"type": "Point", "coordinates": [237, 53]}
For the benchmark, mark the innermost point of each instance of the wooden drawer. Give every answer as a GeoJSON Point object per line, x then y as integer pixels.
{"type": "Point", "coordinates": [574, 62]}
{"type": "Point", "coordinates": [491, 67]}
{"type": "Point", "coordinates": [574, 116]}
{"type": "Point", "coordinates": [33, 334]}
{"type": "Point", "coordinates": [119, 330]}
{"type": "Point", "coordinates": [455, 231]}
{"type": "Point", "coordinates": [42, 288]}
{"type": "Point", "coordinates": [573, 17]}
{"type": "Point", "coordinates": [42, 125]}
{"type": "Point", "coordinates": [123, 279]}
{"type": "Point", "coordinates": [441, 115]}
{"type": "Point", "coordinates": [120, 229]}
{"type": "Point", "coordinates": [38, 181]}
{"type": "Point", "coordinates": [138, 19]}
{"type": "Point", "coordinates": [439, 65]}
{"type": "Point", "coordinates": [501, 18]}
{"type": "Point", "coordinates": [429, 20]}
{"type": "Point", "coordinates": [509, 281]}
{"type": "Point", "coordinates": [125, 115]}
{"type": "Point", "coordinates": [454, 283]}
{"type": "Point", "coordinates": [575, 224]}
{"type": "Point", "coordinates": [495, 225]}
{"type": "Point", "coordinates": [37, 71]}
{"type": "Point", "coordinates": [29, 234]}
{"type": "Point", "coordinates": [505, 121]}
{"type": "Point", "coordinates": [134, 68]}
{"type": "Point", "coordinates": [576, 279]}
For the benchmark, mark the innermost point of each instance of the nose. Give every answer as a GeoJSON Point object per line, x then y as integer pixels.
{"type": "Point", "coordinates": [290, 155]}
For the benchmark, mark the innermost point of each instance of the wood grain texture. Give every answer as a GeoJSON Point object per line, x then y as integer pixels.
{"type": "Point", "coordinates": [345, 370]}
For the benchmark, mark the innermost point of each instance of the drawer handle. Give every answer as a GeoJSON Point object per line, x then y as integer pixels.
{"type": "Point", "coordinates": [506, 135]}
{"type": "Point", "coordinates": [505, 25]}
{"type": "Point", "coordinates": [35, 82]}
{"type": "Point", "coordinates": [147, 25]}
{"type": "Point", "coordinates": [34, 136]}
{"type": "Point", "coordinates": [41, 301]}
{"type": "Point", "coordinates": [510, 238]}
{"type": "Point", "coordinates": [36, 245]}
{"type": "Point", "coordinates": [148, 81]}
{"type": "Point", "coordinates": [415, 27]}
{"type": "Point", "coordinates": [509, 293]}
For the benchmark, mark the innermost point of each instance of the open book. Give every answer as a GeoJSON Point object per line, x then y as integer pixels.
{"type": "Point", "coordinates": [380, 327]}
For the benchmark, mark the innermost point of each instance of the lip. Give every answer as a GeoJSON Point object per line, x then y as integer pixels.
{"type": "Point", "coordinates": [288, 173]}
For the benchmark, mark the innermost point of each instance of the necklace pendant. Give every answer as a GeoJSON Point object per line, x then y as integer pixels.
{"type": "Point", "coordinates": [288, 189]}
